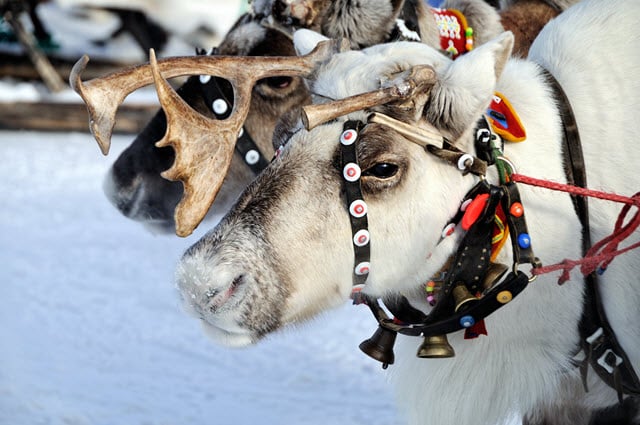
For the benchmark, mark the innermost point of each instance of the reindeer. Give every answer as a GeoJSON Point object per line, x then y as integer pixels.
{"type": "Point", "coordinates": [398, 182]}
{"type": "Point", "coordinates": [134, 183]}
{"type": "Point", "coordinates": [525, 19]}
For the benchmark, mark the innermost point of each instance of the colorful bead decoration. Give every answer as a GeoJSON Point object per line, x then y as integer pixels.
{"type": "Point", "coordinates": [362, 268]}
{"type": "Point", "coordinates": [468, 35]}
{"type": "Point", "coordinates": [516, 209]}
{"type": "Point", "coordinates": [348, 137]}
{"type": "Point", "coordinates": [456, 36]}
{"type": "Point", "coordinates": [361, 238]}
{"type": "Point", "coordinates": [524, 240]}
{"type": "Point", "coordinates": [448, 230]}
{"type": "Point", "coordinates": [358, 208]}
{"type": "Point", "coordinates": [467, 321]}
{"type": "Point", "coordinates": [430, 288]}
{"type": "Point", "coordinates": [351, 172]}
{"type": "Point", "coordinates": [504, 297]}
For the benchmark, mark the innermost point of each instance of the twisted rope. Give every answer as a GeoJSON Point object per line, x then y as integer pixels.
{"type": "Point", "coordinates": [603, 252]}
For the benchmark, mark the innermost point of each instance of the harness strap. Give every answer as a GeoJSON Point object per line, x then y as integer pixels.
{"type": "Point", "coordinates": [598, 340]}
{"type": "Point", "coordinates": [496, 297]}
{"type": "Point", "coordinates": [357, 207]}
{"type": "Point", "coordinates": [221, 108]}
{"type": "Point", "coordinates": [462, 160]}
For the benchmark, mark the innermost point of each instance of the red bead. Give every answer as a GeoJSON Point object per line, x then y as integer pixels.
{"type": "Point", "coordinates": [473, 211]}
{"type": "Point", "coordinates": [516, 209]}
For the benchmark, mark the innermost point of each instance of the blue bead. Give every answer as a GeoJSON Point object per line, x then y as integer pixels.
{"type": "Point", "coordinates": [467, 321]}
{"type": "Point", "coordinates": [524, 240]}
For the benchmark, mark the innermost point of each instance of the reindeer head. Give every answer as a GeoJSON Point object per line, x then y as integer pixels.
{"type": "Point", "coordinates": [188, 127]}
{"type": "Point", "coordinates": [134, 183]}
{"type": "Point", "coordinates": [285, 251]}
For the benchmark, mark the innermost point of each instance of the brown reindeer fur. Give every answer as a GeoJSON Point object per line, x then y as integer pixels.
{"type": "Point", "coordinates": [525, 19]}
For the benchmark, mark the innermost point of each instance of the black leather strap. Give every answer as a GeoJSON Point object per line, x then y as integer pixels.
{"type": "Point", "coordinates": [355, 203]}
{"type": "Point", "coordinates": [598, 340]}
{"type": "Point", "coordinates": [212, 91]}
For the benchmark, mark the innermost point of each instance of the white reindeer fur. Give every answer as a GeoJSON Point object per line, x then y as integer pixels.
{"type": "Point", "coordinates": [507, 364]}
{"type": "Point", "coordinates": [524, 363]}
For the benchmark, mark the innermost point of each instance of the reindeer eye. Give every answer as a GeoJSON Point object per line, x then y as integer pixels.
{"type": "Point", "coordinates": [381, 170]}
{"type": "Point", "coordinates": [277, 82]}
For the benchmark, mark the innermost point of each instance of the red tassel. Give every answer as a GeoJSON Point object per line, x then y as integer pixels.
{"type": "Point", "coordinates": [475, 330]}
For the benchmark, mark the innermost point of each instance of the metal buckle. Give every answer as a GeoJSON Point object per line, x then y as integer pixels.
{"type": "Point", "coordinates": [609, 361]}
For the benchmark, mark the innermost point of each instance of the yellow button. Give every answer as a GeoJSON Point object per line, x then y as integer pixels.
{"type": "Point", "coordinates": [504, 297]}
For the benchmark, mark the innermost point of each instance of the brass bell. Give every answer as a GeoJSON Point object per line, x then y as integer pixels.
{"type": "Point", "coordinates": [462, 297]}
{"type": "Point", "coordinates": [380, 346]}
{"type": "Point", "coordinates": [494, 272]}
{"type": "Point", "coordinates": [435, 347]}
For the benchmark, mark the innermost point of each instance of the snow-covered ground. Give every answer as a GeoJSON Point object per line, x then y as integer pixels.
{"type": "Point", "coordinates": [92, 330]}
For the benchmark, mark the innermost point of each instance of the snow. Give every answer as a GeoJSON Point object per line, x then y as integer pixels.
{"type": "Point", "coordinates": [93, 332]}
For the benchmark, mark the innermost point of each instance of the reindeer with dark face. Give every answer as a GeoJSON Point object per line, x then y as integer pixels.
{"type": "Point", "coordinates": [135, 185]}
{"type": "Point", "coordinates": [412, 118]}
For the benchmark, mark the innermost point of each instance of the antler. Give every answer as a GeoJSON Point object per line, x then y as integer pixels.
{"type": "Point", "coordinates": [202, 161]}
{"type": "Point", "coordinates": [415, 82]}
{"type": "Point", "coordinates": [104, 95]}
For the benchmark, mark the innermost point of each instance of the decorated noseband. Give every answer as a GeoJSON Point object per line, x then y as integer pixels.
{"type": "Point", "coordinates": [351, 173]}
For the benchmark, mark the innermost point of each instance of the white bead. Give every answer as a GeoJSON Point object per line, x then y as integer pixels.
{"type": "Point", "coordinates": [483, 135]}
{"type": "Point", "coordinates": [362, 268]}
{"type": "Point", "coordinates": [204, 79]}
{"type": "Point", "coordinates": [358, 208]}
{"type": "Point", "coordinates": [448, 230]}
{"type": "Point", "coordinates": [361, 238]}
{"type": "Point", "coordinates": [241, 132]}
{"type": "Point", "coordinates": [351, 172]}
{"type": "Point", "coordinates": [220, 107]}
{"type": "Point", "coordinates": [462, 162]}
{"type": "Point", "coordinates": [348, 137]}
{"type": "Point", "coordinates": [252, 157]}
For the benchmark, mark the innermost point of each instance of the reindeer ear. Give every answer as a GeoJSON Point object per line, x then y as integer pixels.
{"type": "Point", "coordinates": [305, 41]}
{"type": "Point", "coordinates": [464, 89]}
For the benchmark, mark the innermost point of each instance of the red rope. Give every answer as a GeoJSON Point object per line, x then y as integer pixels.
{"type": "Point", "coordinates": [603, 252]}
